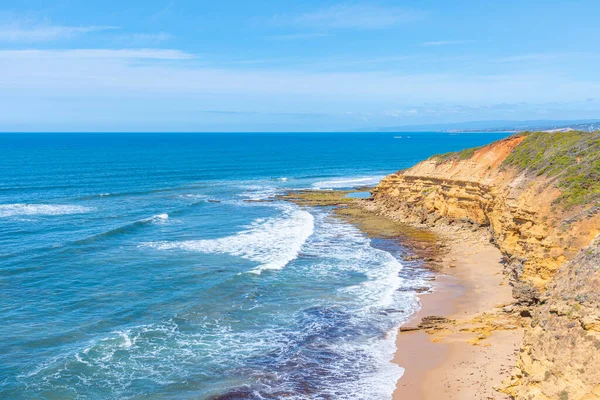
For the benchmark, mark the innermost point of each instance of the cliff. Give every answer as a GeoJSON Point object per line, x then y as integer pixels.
{"type": "Point", "coordinates": [530, 220]}
{"type": "Point", "coordinates": [560, 354]}
{"type": "Point", "coordinates": [537, 195]}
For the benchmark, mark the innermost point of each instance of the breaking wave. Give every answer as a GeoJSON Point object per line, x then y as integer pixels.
{"type": "Point", "coordinates": [273, 242]}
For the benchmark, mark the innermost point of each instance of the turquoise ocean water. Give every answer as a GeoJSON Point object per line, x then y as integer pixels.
{"type": "Point", "coordinates": [133, 266]}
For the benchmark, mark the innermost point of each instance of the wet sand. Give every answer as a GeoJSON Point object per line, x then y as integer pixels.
{"type": "Point", "coordinates": [444, 364]}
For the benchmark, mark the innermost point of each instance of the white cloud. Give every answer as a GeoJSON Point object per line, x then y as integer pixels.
{"type": "Point", "coordinates": [28, 32]}
{"type": "Point", "coordinates": [87, 54]}
{"type": "Point", "coordinates": [352, 16]}
{"type": "Point", "coordinates": [157, 89]}
{"type": "Point", "coordinates": [548, 57]}
{"type": "Point", "coordinates": [141, 39]}
{"type": "Point", "coordinates": [159, 37]}
{"type": "Point", "coordinates": [84, 72]}
{"type": "Point", "coordinates": [298, 36]}
{"type": "Point", "coordinates": [446, 42]}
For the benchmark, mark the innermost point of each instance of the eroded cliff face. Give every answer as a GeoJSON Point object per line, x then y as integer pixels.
{"type": "Point", "coordinates": [545, 244]}
{"type": "Point", "coordinates": [535, 235]}
{"type": "Point", "coordinates": [560, 355]}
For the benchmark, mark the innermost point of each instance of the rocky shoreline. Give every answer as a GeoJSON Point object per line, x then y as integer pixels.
{"type": "Point", "coordinates": [468, 331]}
{"type": "Point", "coordinates": [526, 208]}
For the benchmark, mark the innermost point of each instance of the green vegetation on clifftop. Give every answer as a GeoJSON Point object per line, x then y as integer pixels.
{"type": "Point", "coordinates": [455, 155]}
{"type": "Point", "coordinates": [572, 157]}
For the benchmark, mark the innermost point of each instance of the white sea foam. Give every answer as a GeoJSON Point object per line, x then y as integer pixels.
{"type": "Point", "coordinates": [157, 219]}
{"type": "Point", "coordinates": [9, 210]}
{"type": "Point", "coordinates": [158, 352]}
{"type": "Point", "coordinates": [192, 196]}
{"type": "Point", "coordinates": [127, 343]}
{"type": "Point", "coordinates": [347, 182]}
{"type": "Point", "coordinates": [379, 385]}
{"type": "Point", "coordinates": [256, 192]}
{"type": "Point", "coordinates": [376, 302]}
{"type": "Point", "coordinates": [273, 242]}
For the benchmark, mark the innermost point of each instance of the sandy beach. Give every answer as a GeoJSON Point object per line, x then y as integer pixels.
{"type": "Point", "coordinates": [474, 347]}
{"type": "Point", "coordinates": [464, 359]}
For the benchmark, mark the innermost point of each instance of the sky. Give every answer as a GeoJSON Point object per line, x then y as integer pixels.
{"type": "Point", "coordinates": [242, 65]}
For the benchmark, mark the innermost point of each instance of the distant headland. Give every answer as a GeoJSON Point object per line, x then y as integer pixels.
{"type": "Point", "coordinates": [589, 125]}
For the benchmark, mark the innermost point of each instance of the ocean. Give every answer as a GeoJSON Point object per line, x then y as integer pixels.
{"type": "Point", "coordinates": [140, 266]}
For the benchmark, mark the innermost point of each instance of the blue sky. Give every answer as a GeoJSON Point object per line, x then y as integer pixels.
{"type": "Point", "coordinates": [161, 65]}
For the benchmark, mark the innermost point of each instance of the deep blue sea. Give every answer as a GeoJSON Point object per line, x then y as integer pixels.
{"type": "Point", "coordinates": [134, 266]}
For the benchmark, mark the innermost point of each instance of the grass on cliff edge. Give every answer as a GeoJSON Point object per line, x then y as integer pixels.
{"type": "Point", "coordinates": [455, 155]}
{"type": "Point", "coordinates": [572, 157]}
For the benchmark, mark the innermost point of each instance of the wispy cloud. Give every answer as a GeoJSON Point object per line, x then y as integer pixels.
{"type": "Point", "coordinates": [298, 36]}
{"type": "Point", "coordinates": [120, 70]}
{"type": "Point", "coordinates": [42, 32]}
{"type": "Point", "coordinates": [437, 109]}
{"type": "Point", "coordinates": [86, 54]}
{"type": "Point", "coordinates": [352, 16]}
{"type": "Point", "coordinates": [143, 86]}
{"type": "Point", "coordinates": [289, 114]}
{"type": "Point", "coordinates": [446, 42]}
{"type": "Point", "coordinates": [162, 12]}
{"type": "Point", "coordinates": [138, 39]}
{"type": "Point", "coordinates": [547, 57]}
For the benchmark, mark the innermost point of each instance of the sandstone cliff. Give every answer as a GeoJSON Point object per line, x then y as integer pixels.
{"type": "Point", "coordinates": [560, 355]}
{"type": "Point", "coordinates": [538, 196]}
{"type": "Point", "coordinates": [536, 232]}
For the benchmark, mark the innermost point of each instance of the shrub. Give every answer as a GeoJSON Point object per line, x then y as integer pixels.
{"type": "Point", "coordinates": [573, 158]}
